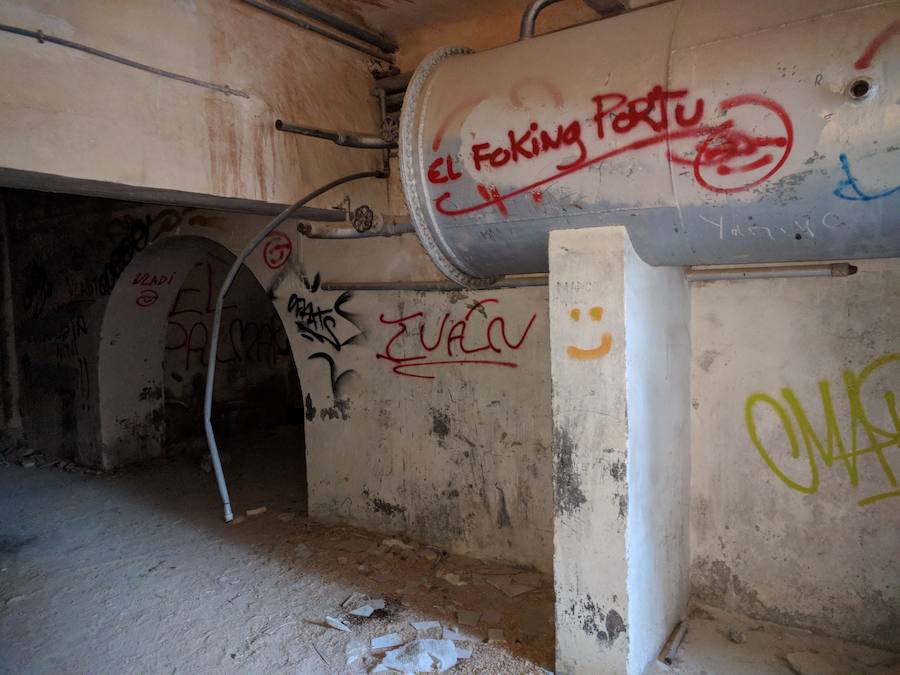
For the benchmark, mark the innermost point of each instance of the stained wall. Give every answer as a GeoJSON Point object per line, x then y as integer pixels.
{"type": "Point", "coordinates": [796, 450]}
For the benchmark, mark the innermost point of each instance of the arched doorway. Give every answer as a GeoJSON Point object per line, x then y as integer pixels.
{"type": "Point", "coordinates": [154, 359]}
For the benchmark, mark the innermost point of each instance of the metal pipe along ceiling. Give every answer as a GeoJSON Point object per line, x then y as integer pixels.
{"type": "Point", "coordinates": [377, 40]}
{"type": "Point", "coordinates": [306, 25]}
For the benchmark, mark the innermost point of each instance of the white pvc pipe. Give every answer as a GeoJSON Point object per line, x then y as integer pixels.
{"type": "Point", "coordinates": [217, 321]}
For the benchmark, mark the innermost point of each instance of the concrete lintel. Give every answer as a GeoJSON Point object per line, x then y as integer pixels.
{"type": "Point", "coordinates": [44, 182]}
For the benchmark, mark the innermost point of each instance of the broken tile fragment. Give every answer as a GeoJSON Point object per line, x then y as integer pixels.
{"type": "Point", "coordinates": [420, 656]}
{"type": "Point", "coordinates": [450, 634]}
{"type": "Point", "coordinates": [507, 586]}
{"type": "Point", "coordinates": [451, 578]}
{"type": "Point", "coordinates": [495, 635]}
{"type": "Point", "coordinates": [425, 625]}
{"type": "Point", "coordinates": [386, 641]}
{"type": "Point", "coordinates": [810, 663]}
{"type": "Point", "coordinates": [429, 554]}
{"type": "Point", "coordinates": [528, 579]}
{"type": "Point", "coordinates": [337, 623]}
{"type": "Point", "coordinates": [468, 618]}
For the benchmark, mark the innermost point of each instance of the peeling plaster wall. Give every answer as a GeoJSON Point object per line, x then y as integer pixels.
{"type": "Point", "coordinates": [787, 538]}
{"type": "Point", "coordinates": [67, 113]}
{"type": "Point", "coordinates": [461, 460]}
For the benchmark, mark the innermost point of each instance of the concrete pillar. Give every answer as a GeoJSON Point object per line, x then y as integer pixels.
{"type": "Point", "coordinates": [620, 356]}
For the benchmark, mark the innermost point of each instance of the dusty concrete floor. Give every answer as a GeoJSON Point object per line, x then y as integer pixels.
{"type": "Point", "coordinates": [137, 573]}
{"type": "Point", "coordinates": [721, 643]}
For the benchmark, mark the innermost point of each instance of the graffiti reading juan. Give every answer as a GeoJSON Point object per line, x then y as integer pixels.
{"type": "Point", "coordinates": [491, 350]}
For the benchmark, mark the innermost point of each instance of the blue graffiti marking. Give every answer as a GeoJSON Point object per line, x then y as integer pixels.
{"type": "Point", "coordinates": [849, 188]}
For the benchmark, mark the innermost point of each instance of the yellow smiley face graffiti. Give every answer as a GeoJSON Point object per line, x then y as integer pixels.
{"type": "Point", "coordinates": [596, 313]}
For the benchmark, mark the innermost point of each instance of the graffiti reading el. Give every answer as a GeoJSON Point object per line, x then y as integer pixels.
{"type": "Point", "coordinates": [724, 158]}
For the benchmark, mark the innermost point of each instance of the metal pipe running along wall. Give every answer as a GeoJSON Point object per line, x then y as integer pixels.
{"type": "Point", "coordinates": [713, 133]}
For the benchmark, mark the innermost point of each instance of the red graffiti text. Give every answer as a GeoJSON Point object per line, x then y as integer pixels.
{"type": "Point", "coordinates": [452, 343]}
{"type": "Point", "coordinates": [661, 116]}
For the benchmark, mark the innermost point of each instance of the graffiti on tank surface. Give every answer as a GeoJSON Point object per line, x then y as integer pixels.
{"type": "Point", "coordinates": [317, 321]}
{"type": "Point", "coordinates": [865, 60]}
{"type": "Point", "coordinates": [864, 439]}
{"type": "Point", "coordinates": [446, 344]}
{"type": "Point", "coordinates": [800, 229]}
{"type": "Point", "coordinates": [190, 323]}
{"type": "Point", "coordinates": [277, 250]}
{"type": "Point", "coordinates": [723, 157]}
{"type": "Point", "coordinates": [601, 350]}
{"type": "Point", "coordinates": [850, 190]}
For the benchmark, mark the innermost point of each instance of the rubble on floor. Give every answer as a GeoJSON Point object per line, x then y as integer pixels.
{"type": "Point", "coordinates": [722, 642]}
{"type": "Point", "coordinates": [247, 598]}
{"type": "Point", "coordinates": [386, 639]}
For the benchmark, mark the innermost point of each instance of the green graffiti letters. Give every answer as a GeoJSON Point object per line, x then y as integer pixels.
{"type": "Point", "coordinates": [865, 438]}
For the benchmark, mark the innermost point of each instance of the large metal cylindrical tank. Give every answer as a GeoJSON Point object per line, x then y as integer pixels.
{"type": "Point", "coordinates": [717, 132]}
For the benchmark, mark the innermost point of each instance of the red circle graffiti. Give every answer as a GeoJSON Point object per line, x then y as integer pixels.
{"type": "Point", "coordinates": [147, 297]}
{"type": "Point", "coordinates": [277, 250]}
{"type": "Point", "coordinates": [728, 150]}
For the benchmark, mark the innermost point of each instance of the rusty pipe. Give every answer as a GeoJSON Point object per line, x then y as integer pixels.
{"type": "Point", "coordinates": [375, 54]}
{"type": "Point", "coordinates": [392, 227]}
{"type": "Point", "coordinates": [348, 139]}
{"type": "Point", "coordinates": [372, 38]}
{"type": "Point", "coordinates": [511, 282]}
{"type": "Point", "coordinates": [529, 17]}
{"type": "Point", "coordinates": [770, 272]}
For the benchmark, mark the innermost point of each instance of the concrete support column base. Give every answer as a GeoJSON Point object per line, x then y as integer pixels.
{"type": "Point", "coordinates": [620, 363]}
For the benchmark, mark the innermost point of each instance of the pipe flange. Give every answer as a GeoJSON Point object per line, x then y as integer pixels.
{"type": "Point", "coordinates": [363, 218]}
{"type": "Point", "coordinates": [390, 129]}
{"type": "Point", "coordinates": [408, 171]}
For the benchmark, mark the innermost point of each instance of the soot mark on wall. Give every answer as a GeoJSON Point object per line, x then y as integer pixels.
{"type": "Point", "coordinates": [606, 627]}
{"type": "Point", "coordinates": [379, 505]}
{"type": "Point", "coordinates": [566, 481]}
